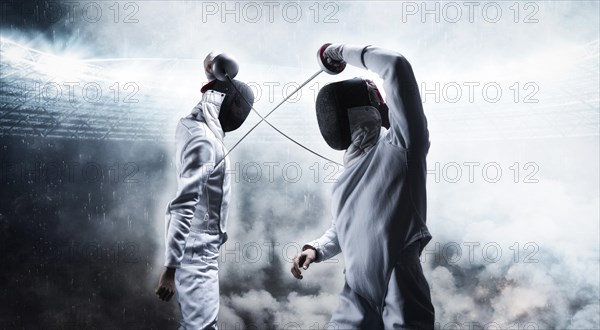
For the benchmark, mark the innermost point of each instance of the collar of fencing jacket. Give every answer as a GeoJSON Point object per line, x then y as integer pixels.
{"type": "Point", "coordinates": [208, 111]}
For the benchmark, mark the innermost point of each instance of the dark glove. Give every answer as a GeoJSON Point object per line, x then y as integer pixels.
{"type": "Point", "coordinates": [224, 66]}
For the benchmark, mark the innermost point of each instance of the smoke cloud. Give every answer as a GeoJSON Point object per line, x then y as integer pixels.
{"type": "Point", "coordinates": [514, 215]}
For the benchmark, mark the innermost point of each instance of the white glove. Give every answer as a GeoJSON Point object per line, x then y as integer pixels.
{"type": "Point", "coordinates": [330, 58]}
{"type": "Point", "coordinates": [334, 52]}
{"type": "Point", "coordinates": [208, 63]}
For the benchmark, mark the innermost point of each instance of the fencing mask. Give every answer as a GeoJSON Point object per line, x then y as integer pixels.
{"type": "Point", "coordinates": [333, 102]}
{"type": "Point", "coordinates": [236, 105]}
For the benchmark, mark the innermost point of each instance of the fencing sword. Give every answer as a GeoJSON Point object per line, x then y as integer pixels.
{"type": "Point", "coordinates": [327, 65]}
{"type": "Point", "coordinates": [294, 92]}
{"type": "Point", "coordinates": [264, 118]}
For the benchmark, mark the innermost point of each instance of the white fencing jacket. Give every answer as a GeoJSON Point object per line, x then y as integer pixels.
{"type": "Point", "coordinates": [203, 183]}
{"type": "Point", "coordinates": [379, 201]}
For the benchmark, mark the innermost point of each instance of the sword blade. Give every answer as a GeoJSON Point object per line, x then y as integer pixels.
{"type": "Point", "coordinates": [294, 92]}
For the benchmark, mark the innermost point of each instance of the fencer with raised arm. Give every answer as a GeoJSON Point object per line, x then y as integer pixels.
{"type": "Point", "coordinates": [379, 201]}
{"type": "Point", "coordinates": [196, 218]}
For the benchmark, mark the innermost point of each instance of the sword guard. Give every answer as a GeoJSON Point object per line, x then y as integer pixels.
{"type": "Point", "coordinates": [331, 68]}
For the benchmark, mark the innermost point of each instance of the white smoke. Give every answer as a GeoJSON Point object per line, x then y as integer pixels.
{"type": "Point", "coordinates": [547, 232]}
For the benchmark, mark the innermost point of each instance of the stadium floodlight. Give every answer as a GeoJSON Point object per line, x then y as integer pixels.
{"type": "Point", "coordinates": [14, 54]}
{"type": "Point", "coordinates": [61, 67]}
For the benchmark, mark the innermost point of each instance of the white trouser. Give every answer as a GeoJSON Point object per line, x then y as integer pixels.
{"type": "Point", "coordinates": [407, 302]}
{"type": "Point", "coordinates": [197, 282]}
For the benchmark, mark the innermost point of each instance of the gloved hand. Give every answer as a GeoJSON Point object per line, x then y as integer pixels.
{"type": "Point", "coordinates": [330, 58]}
{"type": "Point", "coordinates": [223, 66]}
{"type": "Point", "coordinates": [208, 65]}
{"type": "Point", "coordinates": [303, 260]}
{"type": "Point", "coordinates": [218, 65]}
{"type": "Point", "coordinates": [334, 52]}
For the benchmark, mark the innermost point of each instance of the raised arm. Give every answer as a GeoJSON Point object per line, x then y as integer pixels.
{"type": "Point", "coordinates": [407, 120]}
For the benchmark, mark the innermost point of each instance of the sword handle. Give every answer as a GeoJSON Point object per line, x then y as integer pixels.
{"type": "Point", "coordinates": [328, 67]}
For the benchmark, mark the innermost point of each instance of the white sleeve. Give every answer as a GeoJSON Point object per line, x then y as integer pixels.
{"type": "Point", "coordinates": [407, 120]}
{"type": "Point", "coordinates": [195, 165]}
{"type": "Point", "coordinates": [327, 245]}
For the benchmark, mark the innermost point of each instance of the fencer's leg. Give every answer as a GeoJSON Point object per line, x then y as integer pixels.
{"type": "Point", "coordinates": [197, 284]}
{"type": "Point", "coordinates": [408, 300]}
{"type": "Point", "coordinates": [198, 297]}
{"type": "Point", "coordinates": [354, 312]}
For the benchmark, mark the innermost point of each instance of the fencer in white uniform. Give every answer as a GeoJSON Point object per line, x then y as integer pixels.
{"type": "Point", "coordinates": [196, 218]}
{"type": "Point", "coordinates": [379, 201]}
